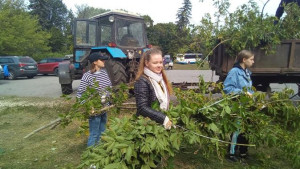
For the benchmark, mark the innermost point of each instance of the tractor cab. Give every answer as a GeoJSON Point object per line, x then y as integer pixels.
{"type": "Point", "coordinates": [119, 35]}
{"type": "Point", "coordinates": [117, 30]}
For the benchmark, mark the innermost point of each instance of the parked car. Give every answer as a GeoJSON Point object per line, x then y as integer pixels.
{"type": "Point", "coordinates": [1, 73]}
{"type": "Point", "coordinates": [49, 66]}
{"type": "Point", "coordinates": [167, 62]}
{"type": "Point", "coordinates": [19, 66]}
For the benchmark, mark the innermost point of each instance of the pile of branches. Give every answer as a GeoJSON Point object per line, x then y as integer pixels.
{"type": "Point", "coordinates": [199, 119]}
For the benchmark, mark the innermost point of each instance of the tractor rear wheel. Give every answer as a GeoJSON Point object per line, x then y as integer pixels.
{"type": "Point", "coordinates": [116, 71]}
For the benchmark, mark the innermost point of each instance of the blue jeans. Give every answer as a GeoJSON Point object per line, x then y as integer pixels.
{"type": "Point", "coordinates": [97, 125]}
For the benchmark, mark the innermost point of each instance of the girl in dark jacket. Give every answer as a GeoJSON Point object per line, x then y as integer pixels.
{"type": "Point", "coordinates": [152, 85]}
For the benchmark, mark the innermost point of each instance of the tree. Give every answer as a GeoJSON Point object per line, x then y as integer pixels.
{"type": "Point", "coordinates": [85, 11]}
{"type": "Point", "coordinates": [165, 36]}
{"type": "Point", "coordinates": [54, 17]}
{"type": "Point", "coordinates": [51, 13]}
{"type": "Point", "coordinates": [20, 32]}
{"type": "Point", "coordinates": [148, 19]}
{"type": "Point", "coordinates": [184, 15]}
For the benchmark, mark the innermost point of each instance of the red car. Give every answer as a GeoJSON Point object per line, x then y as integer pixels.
{"type": "Point", "coordinates": [49, 66]}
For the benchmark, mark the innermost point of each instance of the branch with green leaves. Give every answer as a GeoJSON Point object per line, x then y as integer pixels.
{"type": "Point", "coordinates": [201, 119]}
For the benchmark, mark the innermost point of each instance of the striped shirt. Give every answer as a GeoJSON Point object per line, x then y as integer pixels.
{"type": "Point", "coordinates": [87, 79]}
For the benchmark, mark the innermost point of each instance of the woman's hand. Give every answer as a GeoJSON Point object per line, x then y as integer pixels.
{"type": "Point", "coordinates": [168, 125]}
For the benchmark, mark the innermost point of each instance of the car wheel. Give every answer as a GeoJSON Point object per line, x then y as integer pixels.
{"type": "Point", "coordinates": [30, 77]}
{"type": "Point", "coordinates": [11, 75]}
{"type": "Point", "coordinates": [56, 71]}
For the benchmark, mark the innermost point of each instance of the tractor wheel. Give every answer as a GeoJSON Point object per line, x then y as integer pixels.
{"type": "Point", "coordinates": [116, 72]}
{"type": "Point", "coordinates": [66, 88]}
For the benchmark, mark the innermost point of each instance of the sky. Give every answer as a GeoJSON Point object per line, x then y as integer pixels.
{"type": "Point", "coordinates": [164, 11]}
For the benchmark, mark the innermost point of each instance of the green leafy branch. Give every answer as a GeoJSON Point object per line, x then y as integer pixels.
{"type": "Point", "coordinates": [201, 119]}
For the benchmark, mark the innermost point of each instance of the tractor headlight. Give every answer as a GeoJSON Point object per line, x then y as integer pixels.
{"type": "Point", "coordinates": [111, 19]}
{"type": "Point", "coordinates": [130, 54]}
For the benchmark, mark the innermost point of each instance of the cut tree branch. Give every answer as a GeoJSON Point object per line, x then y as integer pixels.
{"type": "Point", "coordinates": [58, 120]}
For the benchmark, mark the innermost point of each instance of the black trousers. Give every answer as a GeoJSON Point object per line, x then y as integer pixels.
{"type": "Point", "coordinates": [239, 139]}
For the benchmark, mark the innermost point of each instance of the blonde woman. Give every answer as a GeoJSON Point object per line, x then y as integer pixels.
{"type": "Point", "coordinates": [152, 85]}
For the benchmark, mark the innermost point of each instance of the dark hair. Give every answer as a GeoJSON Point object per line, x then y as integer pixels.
{"type": "Point", "coordinates": [244, 54]}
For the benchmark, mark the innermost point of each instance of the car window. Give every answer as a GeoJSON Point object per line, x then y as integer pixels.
{"type": "Point", "coordinates": [43, 61]}
{"type": "Point", "coordinates": [26, 60]}
{"type": "Point", "coordinates": [51, 60]}
{"type": "Point", "coordinates": [6, 60]}
{"type": "Point", "coordinates": [59, 60]}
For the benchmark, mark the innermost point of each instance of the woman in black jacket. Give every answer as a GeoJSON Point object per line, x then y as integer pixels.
{"type": "Point", "coordinates": [152, 85]}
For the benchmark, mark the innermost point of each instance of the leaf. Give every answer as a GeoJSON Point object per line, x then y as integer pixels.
{"type": "Point", "coordinates": [213, 127]}
{"type": "Point", "coordinates": [227, 109]}
{"type": "Point", "coordinates": [113, 166]}
{"type": "Point", "coordinates": [128, 154]}
{"type": "Point", "coordinates": [120, 146]}
{"type": "Point", "coordinates": [145, 167]}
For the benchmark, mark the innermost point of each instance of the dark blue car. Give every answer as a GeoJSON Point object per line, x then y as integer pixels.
{"type": "Point", "coordinates": [19, 66]}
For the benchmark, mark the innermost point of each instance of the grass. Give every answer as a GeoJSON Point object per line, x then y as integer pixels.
{"type": "Point", "coordinates": [56, 148]}
{"type": "Point", "coordinates": [62, 147]}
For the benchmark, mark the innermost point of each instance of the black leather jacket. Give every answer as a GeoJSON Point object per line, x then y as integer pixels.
{"type": "Point", "coordinates": [145, 96]}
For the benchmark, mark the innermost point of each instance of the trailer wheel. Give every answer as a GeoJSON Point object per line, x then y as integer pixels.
{"type": "Point", "coordinates": [116, 72]}
{"type": "Point", "coordinates": [66, 88]}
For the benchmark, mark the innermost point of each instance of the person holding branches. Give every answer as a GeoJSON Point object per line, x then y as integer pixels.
{"type": "Point", "coordinates": [238, 79]}
{"type": "Point", "coordinates": [152, 85]}
{"type": "Point", "coordinates": [97, 73]}
{"type": "Point", "coordinates": [281, 6]}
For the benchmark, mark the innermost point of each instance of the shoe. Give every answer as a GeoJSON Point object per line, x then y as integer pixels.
{"type": "Point", "coordinates": [243, 156]}
{"type": "Point", "coordinates": [233, 158]}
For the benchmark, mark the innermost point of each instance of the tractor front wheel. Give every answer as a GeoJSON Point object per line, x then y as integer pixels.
{"type": "Point", "coordinates": [66, 89]}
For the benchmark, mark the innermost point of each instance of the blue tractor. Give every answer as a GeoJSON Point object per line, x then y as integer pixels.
{"type": "Point", "coordinates": [120, 35]}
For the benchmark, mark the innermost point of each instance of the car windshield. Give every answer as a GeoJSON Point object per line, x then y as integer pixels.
{"type": "Point", "coordinates": [130, 33]}
{"type": "Point", "coordinates": [26, 60]}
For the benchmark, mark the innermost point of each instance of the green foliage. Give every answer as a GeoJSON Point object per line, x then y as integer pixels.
{"type": "Point", "coordinates": [184, 15]}
{"type": "Point", "coordinates": [246, 28]}
{"type": "Point", "coordinates": [148, 19]}
{"type": "Point", "coordinates": [54, 18]}
{"type": "Point", "coordinates": [132, 143]}
{"type": "Point", "coordinates": [291, 22]}
{"type": "Point", "coordinates": [200, 119]}
{"type": "Point", "coordinates": [57, 40]}
{"type": "Point", "coordinates": [165, 36]}
{"type": "Point", "coordinates": [20, 32]}
{"type": "Point", "coordinates": [51, 13]}
{"type": "Point", "coordinates": [84, 11]}
{"type": "Point", "coordinates": [89, 104]}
